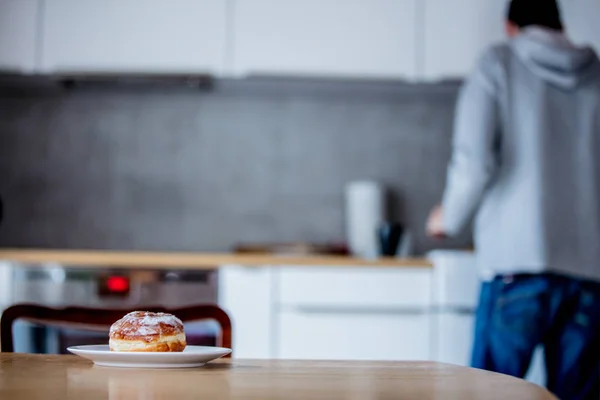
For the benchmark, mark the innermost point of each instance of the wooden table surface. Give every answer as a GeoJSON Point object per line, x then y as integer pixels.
{"type": "Point", "coordinates": [26, 376]}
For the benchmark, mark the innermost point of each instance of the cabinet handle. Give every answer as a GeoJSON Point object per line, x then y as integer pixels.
{"type": "Point", "coordinates": [415, 311]}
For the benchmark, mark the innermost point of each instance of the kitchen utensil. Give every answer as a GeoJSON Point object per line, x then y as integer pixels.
{"type": "Point", "coordinates": [389, 234]}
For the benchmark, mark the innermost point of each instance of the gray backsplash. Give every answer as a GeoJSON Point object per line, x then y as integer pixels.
{"type": "Point", "coordinates": [250, 161]}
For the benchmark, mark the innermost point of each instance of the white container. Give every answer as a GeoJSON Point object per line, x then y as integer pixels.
{"type": "Point", "coordinates": [365, 212]}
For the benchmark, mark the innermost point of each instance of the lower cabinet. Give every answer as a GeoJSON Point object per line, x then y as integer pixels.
{"type": "Point", "coordinates": [6, 287]}
{"type": "Point", "coordinates": [352, 335]}
{"type": "Point", "coordinates": [453, 338]}
{"type": "Point", "coordinates": [246, 294]}
{"type": "Point", "coordinates": [328, 313]}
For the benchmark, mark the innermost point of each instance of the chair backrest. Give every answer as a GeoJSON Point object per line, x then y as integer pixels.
{"type": "Point", "coordinates": [100, 318]}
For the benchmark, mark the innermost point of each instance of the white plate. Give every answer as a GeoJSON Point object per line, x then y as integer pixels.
{"type": "Point", "coordinates": [192, 356]}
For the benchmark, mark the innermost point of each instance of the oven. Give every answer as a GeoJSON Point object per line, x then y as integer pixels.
{"type": "Point", "coordinates": [56, 286]}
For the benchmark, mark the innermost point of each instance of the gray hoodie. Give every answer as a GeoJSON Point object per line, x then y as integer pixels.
{"type": "Point", "coordinates": [526, 158]}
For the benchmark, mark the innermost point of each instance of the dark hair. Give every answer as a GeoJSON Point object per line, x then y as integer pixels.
{"type": "Point", "coordinates": [544, 13]}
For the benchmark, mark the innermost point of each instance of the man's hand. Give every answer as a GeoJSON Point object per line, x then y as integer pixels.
{"type": "Point", "coordinates": [435, 223]}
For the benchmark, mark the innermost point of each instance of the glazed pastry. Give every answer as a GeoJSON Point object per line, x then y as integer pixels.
{"type": "Point", "coordinates": [142, 331]}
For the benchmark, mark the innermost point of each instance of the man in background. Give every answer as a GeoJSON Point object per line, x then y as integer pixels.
{"type": "Point", "coordinates": [526, 162]}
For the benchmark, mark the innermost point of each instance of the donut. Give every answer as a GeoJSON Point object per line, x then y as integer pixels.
{"type": "Point", "coordinates": [142, 331]}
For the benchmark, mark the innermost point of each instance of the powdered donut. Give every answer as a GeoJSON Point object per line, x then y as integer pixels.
{"type": "Point", "coordinates": [142, 331]}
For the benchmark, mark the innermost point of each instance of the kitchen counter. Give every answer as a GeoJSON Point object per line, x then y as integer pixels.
{"type": "Point", "coordinates": [182, 261]}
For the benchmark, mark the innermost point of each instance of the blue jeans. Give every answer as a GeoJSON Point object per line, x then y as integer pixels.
{"type": "Point", "coordinates": [518, 313]}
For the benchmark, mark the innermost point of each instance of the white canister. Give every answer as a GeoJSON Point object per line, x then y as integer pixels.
{"type": "Point", "coordinates": [365, 212]}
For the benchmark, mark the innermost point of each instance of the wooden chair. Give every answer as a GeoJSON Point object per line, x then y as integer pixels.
{"type": "Point", "coordinates": [101, 319]}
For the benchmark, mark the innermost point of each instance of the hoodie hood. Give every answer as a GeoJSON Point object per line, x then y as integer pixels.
{"type": "Point", "coordinates": [556, 61]}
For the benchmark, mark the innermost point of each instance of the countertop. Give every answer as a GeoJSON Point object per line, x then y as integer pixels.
{"type": "Point", "coordinates": [182, 261]}
{"type": "Point", "coordinates": [28, 376]}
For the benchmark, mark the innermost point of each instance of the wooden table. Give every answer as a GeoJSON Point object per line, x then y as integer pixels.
{"type": "Point", "coordinates": [25, 376]}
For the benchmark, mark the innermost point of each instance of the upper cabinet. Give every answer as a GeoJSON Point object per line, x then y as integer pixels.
{"type": "Point", "coordinates": [456, 33]}
{"type": "Point", "coordinates": [425, 40]}
{"type": "Point", "coordinates": [329, 38]}
{"type": "Point", "coordinates": [18, 35]}
{"type": "Point", "coordinates": [151, 36]}
{"type": "Point", "coordinates": [581, 21]}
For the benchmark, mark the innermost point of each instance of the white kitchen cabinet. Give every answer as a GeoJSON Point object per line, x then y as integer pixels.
{"type": "Point", "coordinates": [246, 294]}
{"type": "Point", "coordinates": [581, 21]}
{"type": "Point", "coordinates": [18, 35]}
{"type": "Point", "coordinates": [455, 34]}
{"type": "Point", "coordinates": [329, 38]}
{"type": "Point", "coordinates": [376, 313]}
{"type": "Point", "coordinates": [306, 333]}
{"type": "Point", "coordinates": [353, 313]}
{"type": "Point", "coordinates": [456, 282]}
{"type": "Point", "coordinates": [6, 284]}
{"type": "Point", "coordinates": [453, 341]}
{"type": "Point", "coordinates": [147, 36]}
{"type": "Point", "coordinates": [393, 288]}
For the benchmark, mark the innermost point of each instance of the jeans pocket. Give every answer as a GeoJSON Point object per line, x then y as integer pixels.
{"type": "Point", "coordinates": [587, 314]}
{"type": "Point", "coordinates": [520, 306]}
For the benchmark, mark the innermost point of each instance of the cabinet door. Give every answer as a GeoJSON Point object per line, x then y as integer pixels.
{"type": "Point", "coordinates": [153, 36]}
{"type": "Point", "coordinates": [246, 295]}
{"type": "Point", "coordinates": [453, 338]}
{"type": "Point", "coordinates": [347, 335]}
{"type": "Point", "coordinates": [18, 34]}
{"type": "Point", "coordinates": [6, 285]}
{"type": "Point", "coordinates": [350, 38]}
{"type": "Point", "coordinates": [456, 32]}
{"type": "Point", "coordinates": [581, 21]}
{"type": "Point", "coordinates": [364, 288]}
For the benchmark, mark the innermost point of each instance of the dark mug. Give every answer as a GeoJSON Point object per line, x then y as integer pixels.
{"type": "Point", "coordinates": [389, 235]}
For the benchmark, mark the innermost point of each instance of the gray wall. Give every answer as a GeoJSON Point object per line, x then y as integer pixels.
{"type": "Point", "coordinates": [250, 161]}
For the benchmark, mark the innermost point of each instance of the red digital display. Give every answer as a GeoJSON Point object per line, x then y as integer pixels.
{"type": "Point", "coordinates": [117, 284]}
